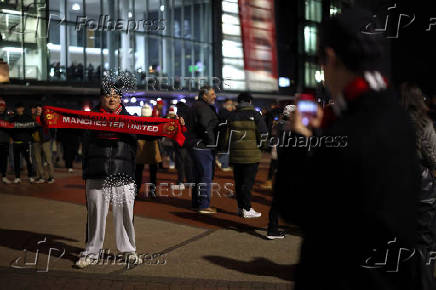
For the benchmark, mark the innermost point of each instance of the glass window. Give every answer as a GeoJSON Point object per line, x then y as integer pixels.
{"type": "Point", "coordinates": [178, 46]}
{"type": "Point", "coordinates": [187, 17]}
{"type": "Point", "coordinates": [11, 26]}
{"type": "Point", "coordinates": [310, 70]}
{"type": "Point", "coordinates": [74, 9]}
{"type": "Point", "coordinates": [313, 10]}
{"type": "Point", "coordinates": [335, 7]}
{"type": "Point", "coordinates": [75, 64]}
{"type": "Point", "coordinates": [13, 55]}
{"type": "Point", "coordinates": [33, 64]}
{"type": "Point", "coordinates": [140, 60]}
{"type": "Point", "coordinates": [154, 66]}
{"type": "Point", "coordinates": [310, 39]}
{"type": "Point", "coordinates": [178, 6]}
{"type": "Point", "coordinates": [188, 59]}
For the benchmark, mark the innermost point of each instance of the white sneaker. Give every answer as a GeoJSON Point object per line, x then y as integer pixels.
{"type": "Point", "coordinates": [32, 180]}
{"type": "Point", "coordinates": [6, 180]}
{"type": "Point", "coordinates": [17, 180]}
{"type": "Point", "coordinates": [247, 214]}
{"type": "Point", "coordinates": [180, 186]}
{"type": "Point", "coordinates": [226, 169]}
{"type": "Point", "coordinates": [39, 181]}
{"type": "Point", "coordinates": [70, 170]}
{"type": "Point", "coordinates": [84, 262]}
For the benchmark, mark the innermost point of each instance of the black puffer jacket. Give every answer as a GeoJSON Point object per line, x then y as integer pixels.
{"type": "Point", "coordinates": [106, 157]}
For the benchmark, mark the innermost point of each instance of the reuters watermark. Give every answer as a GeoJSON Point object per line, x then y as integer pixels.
{"type": "Point", "coordinates": [169, 190]}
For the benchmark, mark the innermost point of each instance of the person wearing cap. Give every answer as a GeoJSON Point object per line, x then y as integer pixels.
{"type": "Point", "coordinates": [203, 126]}
{"type": "Point", "coordinates": [4, 143]}
{"type": "Point", "coordinates": [22, 140]}
{"type": "Point", "coordinates": [109, 173]}
{"type": "Point", "coordinates": [245, 130]}
{"type": "Point", "coordinates": [147, 153]}
{"type": "Point", "coordinates": [356, 196]}
{"type": "Point", "coordinates": [41, 150]}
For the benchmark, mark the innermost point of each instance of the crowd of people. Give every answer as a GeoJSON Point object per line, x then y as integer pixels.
{"type": "Point", "coordinates": [365, 186]}
{"type": "Point", "coordinates": [37, 146]}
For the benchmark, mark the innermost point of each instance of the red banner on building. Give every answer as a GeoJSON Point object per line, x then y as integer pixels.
{"type": "Point", "coordinates": [259, 41]}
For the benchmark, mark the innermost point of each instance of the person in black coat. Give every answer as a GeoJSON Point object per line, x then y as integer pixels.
{"type": "Point", "coordinates": [412, 100]}
{"type": "Point", "coordinates": [22, 141]}
{"type": "Point", "coordinates": [203, 127]}
{"type": "Point", "coordinates": [4, 143]}
{"type": "Point", "coordinates": [355, 196]}
{"type": "Point", "coordinates": [109, 173]}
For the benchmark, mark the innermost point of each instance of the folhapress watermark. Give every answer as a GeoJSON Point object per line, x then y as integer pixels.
{"type": "Point", "coordinates": [105, 23]}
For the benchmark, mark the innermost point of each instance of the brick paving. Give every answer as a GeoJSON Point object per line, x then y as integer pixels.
{"type": "Point", "coordinates": [226, 226]}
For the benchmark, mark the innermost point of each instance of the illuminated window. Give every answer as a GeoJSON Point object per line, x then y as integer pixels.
{"type": "Point", "coordinates": [311, 75]}
{"type": "Point", "coordinates": [335, 7]}
{"type": "Point", "coordinates": [310, 39]}
{"type": "Point", "coordinates": [313, 10]}
{"type": "Point", "coordinates": [232, 49]}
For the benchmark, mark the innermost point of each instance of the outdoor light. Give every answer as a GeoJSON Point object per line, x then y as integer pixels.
{"type": "Point", "coordinates": [284, 82]}
{"type": "Point", "coordinates": [75, 7]}
{"type": "Point", "coordinates": [183, 100]}
{"type": "Point", "coordinates": [162, 8]}
{"type": "Point", "coordinates": [52, 72]}
{"type": "Point", "coordinates": [159, 99]}
{"type": "Point", "coordinates": [126, 101]}
{"type": "Point", "coordinates": [130, 14]}
{"type": "Point", "coordinates": [319, 76]}
{"type": "Point", "coordinates": [174, 102]}
{"type": "Point", "coordinates": [141, 103]}
{"type": "Point", "coordinates": [153, 102]}
{"type": "Point", "coordinates": [133, 100]}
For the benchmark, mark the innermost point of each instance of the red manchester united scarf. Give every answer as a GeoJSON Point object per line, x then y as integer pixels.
{"type": "Point", "coordinates": [54, 117]}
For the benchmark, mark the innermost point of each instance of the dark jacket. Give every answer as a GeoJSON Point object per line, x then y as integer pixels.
{"type": "Point", "coordinates": [23, 134]}
{"type": "Point", "coordinates": [44, 133]}
{"type": "Point", "coordinates": [224, 114]}
{"type": "Point", "coordinates": [204, 124]}
{"type": "Point", "coordinates": [244, 132]}
{"type": "Point", "coordinates": [349, 200]}
{"type": "Point", "coordinates": [4, 133]}
{"type": "Point", "coordinates": [105, 157]}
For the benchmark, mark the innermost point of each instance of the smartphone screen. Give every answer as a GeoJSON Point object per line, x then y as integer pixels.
{"type": "Point", "coordinates": [308, 109]}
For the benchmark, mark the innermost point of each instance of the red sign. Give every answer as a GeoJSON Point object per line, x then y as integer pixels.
{"type": "Point", "coordinates": [259, 42]}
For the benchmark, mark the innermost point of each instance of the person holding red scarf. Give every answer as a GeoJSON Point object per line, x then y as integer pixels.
{"type": "Point", "coordinates": [109, 172]}
{"type": "Point", "coordinates": [355, 203]}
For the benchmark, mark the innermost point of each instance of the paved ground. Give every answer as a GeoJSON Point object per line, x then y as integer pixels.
{"type": "Point", "coordinates": [203, 252]}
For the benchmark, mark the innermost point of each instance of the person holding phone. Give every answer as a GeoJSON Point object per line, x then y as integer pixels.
{"type": "Point", "coordinates": [355, 200]}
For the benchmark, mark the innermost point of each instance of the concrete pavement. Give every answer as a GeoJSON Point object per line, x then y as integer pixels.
{"type": "Point", "coordinates": [202, 252]}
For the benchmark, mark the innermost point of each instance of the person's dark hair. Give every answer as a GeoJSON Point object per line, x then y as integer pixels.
{"type": "Point", "coordinates": [412, 100]}
{"type": "Point", "coordinates": [36, 105]}
{"type": "Point", "coordinates": [349, 34]}
{"type": "Point", "coordinates": [204, 90]}
{"type": "Point", "coordinates": [245, 97]}
{"type": "Point", "coordinates": [19, 105]}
